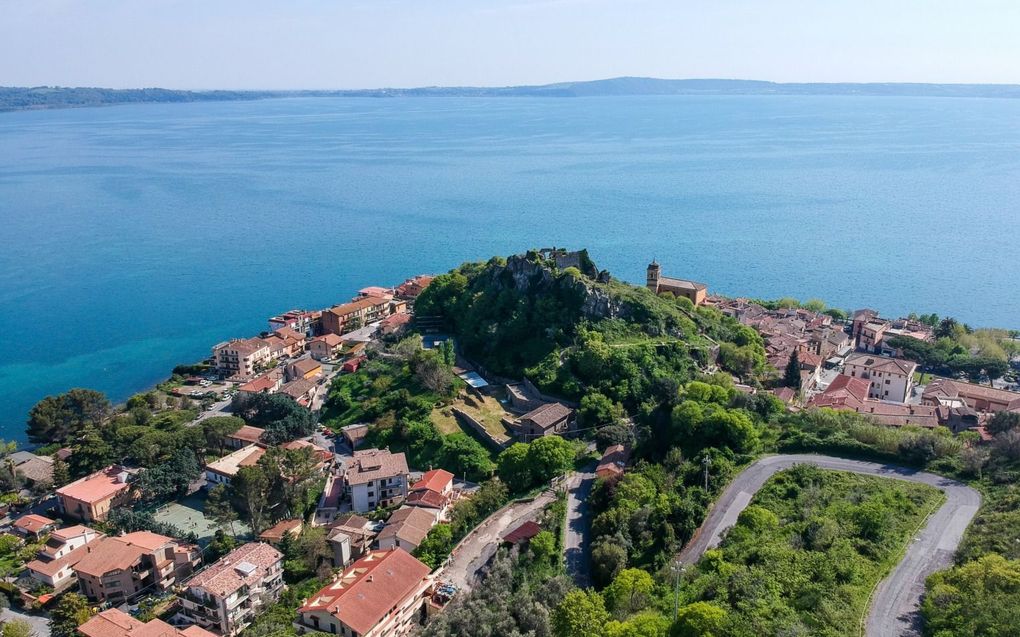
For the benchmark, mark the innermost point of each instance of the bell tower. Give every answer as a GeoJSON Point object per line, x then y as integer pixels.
{"type": "Point", "coordinates": [654, 270]}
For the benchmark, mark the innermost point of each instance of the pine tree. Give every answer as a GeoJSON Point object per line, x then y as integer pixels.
{"type": "Point", "coordinates": [792, 376]}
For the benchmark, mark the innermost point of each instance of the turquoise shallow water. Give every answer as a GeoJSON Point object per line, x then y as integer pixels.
{"type": "Point", "coordinates": [135, 237]}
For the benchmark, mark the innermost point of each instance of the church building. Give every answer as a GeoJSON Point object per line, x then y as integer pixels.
{"type": "Point", "coordinates": [691, 290]}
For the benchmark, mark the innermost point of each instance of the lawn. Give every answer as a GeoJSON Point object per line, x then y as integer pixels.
{"type": "Point", "coordinates": [807, 553]}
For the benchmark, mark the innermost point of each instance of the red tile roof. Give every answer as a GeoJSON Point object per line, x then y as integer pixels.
{"type": "Point", "coordinates": [435, 480]}
{"type": "Point", "coordinates": [96, 487]}
{"type": "Point", "coordinates": [116, 623]}
{"type": "Point", "coordinates": [225, 577]}
{"type": "Point", "coordinates": [276, 532]}
{"type": "Point", "coordinates": [523, 533]}
{"type": "Point", "coordinates": [33, 523]}
{"type": "Point", "coordinates": [369, 589]}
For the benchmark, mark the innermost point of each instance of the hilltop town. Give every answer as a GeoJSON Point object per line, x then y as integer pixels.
{"type": "Point", "coordinates": [527, 429]}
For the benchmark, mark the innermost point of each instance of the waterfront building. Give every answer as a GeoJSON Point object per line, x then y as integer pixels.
{"type": "Point", "coordinates": [90, 499]}
{"type": "Point", "coordinates": [241, 357]}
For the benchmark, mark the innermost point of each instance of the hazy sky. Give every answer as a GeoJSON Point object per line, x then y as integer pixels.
{"type": "Point", "coordinates": [376, 43]}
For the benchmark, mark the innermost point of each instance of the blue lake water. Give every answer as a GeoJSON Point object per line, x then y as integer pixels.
{"type": "Point", "coordinates": [135, 237]}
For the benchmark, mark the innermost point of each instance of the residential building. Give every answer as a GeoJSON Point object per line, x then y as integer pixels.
{"type": "Point", "coordinates": [354, 435]}
{"type": "Point", "coordinates": [341, 319]}
{"type": "Point", "coordinates": [223, 470]}
{"type": "Point", "coordinates": [243, 357]}
{"type": "Point", "coordinates": [548, 419]}
{"type": "Point", "coordinates": [323, 457]}
{"type": "Point", "coordinates": [871, 335]}
{"type": "Point", "coordinates": [325, 347]}
{"type": "Point", "coordinates": [395, 323]}
{"type": "Point", "coordinates": [38, 470]}
{"type": "Point", "coordinates": [119, 569]}
{"type": "Point", "coordinates": [614, 462]}
{"type": "Point", "coordinates": [114, 622]}
{"type": "Point", "coordinates": [281, 529]}
{"type": "Point", "coordinates": [301, 390]}
{"type": "Point", "coordinates": [376, 478]}
{"type": "Point", "coordinates": [406, 528]}
{"type": "Point", "coordinates": [306, 368]}
{"type": "Point", "coordinates": [434, 492]}
{"type": "Point", "coordinates": [246, 435]}
{"type": "Point", "coordinates": [33, 526]}
{"type": "Point", "coordinates": [891, 379]}
{"type": "Point", "coordinates": [227, 596]}
{"type": "Point", "coordinates": [943, 391]}
{"type": "Point", "coordinates": [90, 499]}
{"type": "Point", "coordinates": [350, 536]}
{"type": "Point", "coordinates": [379, 595]}
{"type": "Point", "coordinates": [55, 561]}
{"type": "Point", "coordinates": [267, 383]}
{"type": "Point", "coordinates": [847, 393]}
{"type": "Point", "coordinates": [375, 291]}
{"type": "Point", "coordinates": [411, 288]}
{"type": "Point", "coordinates": [301, 321]}
{"type": "Point", "coordinates": [693, 291]}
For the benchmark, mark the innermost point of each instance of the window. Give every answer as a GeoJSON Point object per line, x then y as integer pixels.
{"type": "Point", "coordinates": [887, 381]}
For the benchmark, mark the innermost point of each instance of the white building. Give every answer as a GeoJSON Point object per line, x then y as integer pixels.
{"type": "Point", "coordinates": [891, 379]}
{"type": "Point", "coordinates": [376, 478]}
{"type": "Point", "coordinates": [227, 596]}
{"type": "Point", "coordinates": [241, 357]}
{"type": "Point", "coordinates": [55, 561]}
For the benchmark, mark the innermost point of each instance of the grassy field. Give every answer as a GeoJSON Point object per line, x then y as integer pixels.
{"type": "Point", "coordinates": [809, 549]}
{"type": "Point", "coordinates": [486, 410]}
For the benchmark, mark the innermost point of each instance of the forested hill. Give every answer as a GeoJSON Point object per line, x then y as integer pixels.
{"type": "Point", "coordinates": [555, 318]}
{"type": "Point", "coordinates": [42, 97]}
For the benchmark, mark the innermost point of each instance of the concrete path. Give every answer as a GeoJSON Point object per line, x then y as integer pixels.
{"type": "Point", "coordinates": [895, 603]}
{"type": "Point", "coordinates": [576, 543]}
{"type": "Point", "coordinates": [39, 624]}
{"type": "Point", "coordinates": [478, 547]}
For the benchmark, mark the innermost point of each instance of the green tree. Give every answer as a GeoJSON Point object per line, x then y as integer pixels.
{"type": "Point", "coordinates": [700, 619]}
{"type": "Point", "coordinates": [582, 613]}
{"type": "Point", "coordinates": [463, 455]}
{"type": "Point", "coordinates": [220, 510]}
{"type": "Point", "coordinates": [59, 418]}
{"type": "Point", "coordinates": [645, 624]}
{"type": "Point", "coordinates": [791, 377]}
{"type": "Point", "coordinates": [1003, 421]}
{"type": "Point", "coordinates": [17, 628]}
{"type": "Point", "coordinates": [217, 428]}
{"type": "Point", "coordinates": [250, 491]}
{"type": "Point", "coordinates": [608, 558]}
{"type": "Point", "coordinates": [514, 468]}
{"type": "Point", "coordinates": [981, 597]}
{"type": "Point", "coordinates": [436, 546]}
{"type": "Point", "coordinates": [72, 610]}
{"type": "Point", "coordinates": [630, 592]}
{"type": "Point", "coordinates": [90, 453]}
{"type": "Point", "coordinates": [543, 547]}
{"type": "Point", "coordinates": [549, 457]}
{"type": "Point", "coordinates": [597, 410]}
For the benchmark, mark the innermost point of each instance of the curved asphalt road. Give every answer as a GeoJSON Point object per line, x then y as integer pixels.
{"type": "Point", "coordinates": [894, 605]}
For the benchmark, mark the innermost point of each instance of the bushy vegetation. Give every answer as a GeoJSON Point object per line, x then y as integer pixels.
{"type": "Point", "coordinates": [981, 597]}
{"type": "Point", "coordinates": [805, 555]}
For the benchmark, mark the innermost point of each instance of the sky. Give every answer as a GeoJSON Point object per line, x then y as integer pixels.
{"type": "Point", "coordinates": [295, 44]}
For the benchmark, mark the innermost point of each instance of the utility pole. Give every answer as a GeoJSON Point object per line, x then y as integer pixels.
{"type": "Point", "coordinates": [678, 569]}
{"type": "Point", "coordinates": [707, 462]}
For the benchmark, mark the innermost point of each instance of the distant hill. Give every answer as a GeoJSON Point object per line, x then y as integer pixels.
{"type": "Point", "coordinates": [23, 98]}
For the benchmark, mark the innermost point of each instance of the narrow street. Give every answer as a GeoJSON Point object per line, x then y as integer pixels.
{"type": "Point", "coordinates": [473, 552]}
{"type": "Point", "coordinates": [577, 538]}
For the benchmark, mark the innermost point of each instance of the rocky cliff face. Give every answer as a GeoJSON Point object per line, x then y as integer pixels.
{"type": "Point", "coordinates": [532, 275]}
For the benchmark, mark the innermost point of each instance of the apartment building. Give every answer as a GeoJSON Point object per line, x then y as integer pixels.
{"type": "Point", "coordinates": [891, 379]}
{"type": "Point", "coordinates": [241, 357]}
{"type": "Point", "coordinates": [325, 347]}
{"type": "Point", "coordinates": [376, 478]}
{"type": "Point", "coordinates": [379, 595]}
{"type": "Point", "coordinates": [54, 563]}
{"type": "Point", "coordinates": [341, 319]}
{"type": "Point", "coordinates": [90, 499]}
{"type": "Point", "coordinates": [227, 596]}
{"type": "Point", "coordinates": [114, 622]}
{"type": "Point", "coordinates": [119, 569]}
{"type": "Point", "coordinates": [222, 471]}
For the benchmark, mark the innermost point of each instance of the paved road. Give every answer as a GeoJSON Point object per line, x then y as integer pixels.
{"type": "Point", "coordinates": [475, 550]}
{"type": "Point", "coordinates": [40, 624]}
{"type": "Point", "coordinates": [576, 544]}
{"type": "Point", "coordinates": [894, 606]}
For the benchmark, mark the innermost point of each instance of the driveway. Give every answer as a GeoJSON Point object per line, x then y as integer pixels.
{"type": "Point", "coordinates": [576, 542]}
{"type": "Point", "coordinates": [895, 603]}
{"type": "Point", "coordinates": [477, 548]}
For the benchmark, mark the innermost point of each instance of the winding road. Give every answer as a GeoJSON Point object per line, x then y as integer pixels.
{"type": "Point", "coordinates": [895, 603]}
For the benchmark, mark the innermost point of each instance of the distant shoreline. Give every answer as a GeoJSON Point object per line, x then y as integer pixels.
{"type": "Point", "coordinates": [45, 98]}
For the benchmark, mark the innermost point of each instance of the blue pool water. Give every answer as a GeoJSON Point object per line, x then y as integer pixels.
{"type": "Point", "coordinates": [135, 237]}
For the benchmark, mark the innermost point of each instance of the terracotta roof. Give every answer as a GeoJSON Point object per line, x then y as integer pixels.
{"type": "Point", "coordinates": [844, 391]}
{"type": "Point", "coordinates": [373, 464]}
{"type": "Point", "coordinates": [69, 532]}
{"type": "Point", "coordinates": [248, 433]}
{"type": "Point", "coordinates": [116, 623]}
{"type": "Point", "coordinates": [409, 524]}
{"type": "Point", "coordinates": [375, 290]}
{"type": "Point", "coordinates": [682, 284]}
{"type": "Point", "coordinates": [883, 364]}
{"type": "Point", "coordinates": [298, 388]}
{"type": "Point", "coordinates": [614, 459]}
{"type": "Point", "coordinates": [355, 306]}
{"type": "Point", "coordinates": [264, 383]}
{"type": "Point", "coordinates": [522, 533]}
{"type": "Point", "coordinates": [286, 332]}
{"type": "Point", "coordinates": [427, 498]}
{"type": "Point", "coordinates": [118, 553]}
{"type": "Point", "coordinates": [323, 455]}
{"type": "Point", "coordinates": [276, 532]}
{"type": "Point", "coordinates": [435, 480]}
{"type": "Point", "coordinates": [547, 415]}
{"type": "Point", "coordinates": [243, 346]}
{"type": "Point", "coordinates": [96, 487]}
{"type": "Point", "coordinates": [306, 366]}
{"type": "Point", "coordinates": [331, 340]}
{"type": "Point", "coordinates": [49, 567]}
{"type": "Point", "coordinates": [33, 523]}
{"type": "Point", "coordinates": [244, 566]}
{"type": "Point", "coordinates": [958, 389]}
{"type": "Point", "coordinates": [369, 589]}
